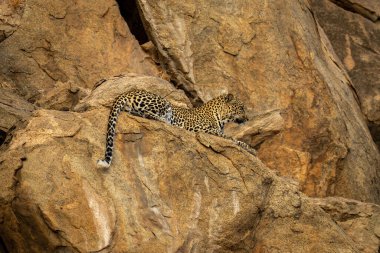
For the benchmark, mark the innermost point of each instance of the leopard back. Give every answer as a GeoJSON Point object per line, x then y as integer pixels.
{"type": "Point", "coordinates": [209, 118]}
{"type": "Point", "coordinates": [212, 116]}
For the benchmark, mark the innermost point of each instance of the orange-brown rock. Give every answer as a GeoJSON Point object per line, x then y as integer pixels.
{"type": "Point", "coordinates": [62, 96]}
{"type": "Point", "coordinates": [257, 129]}
{"type": "Point", "coordinates": [13, 110]}
{"type": "Point", "coordinates": [107, 90]}
{"type": "Point", "coordinates": [353, 29]}
{"type": "Point", "coordinates": [168, 190]}
{"type": "Point", "coordinates": [69, 41]}
{"type": "Point", "coordinates": [276, 57]}
{"type": "Point", "coordinates": [11, 12]}
{"type": "Point", "coordinates": [361, 221]}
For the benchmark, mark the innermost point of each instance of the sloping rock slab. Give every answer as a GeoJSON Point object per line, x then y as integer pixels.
{"type": "Point", "coordinates": [168, 190]}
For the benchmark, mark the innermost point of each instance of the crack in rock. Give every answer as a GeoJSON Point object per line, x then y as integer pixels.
{"type": "Point", "coordinates": [358, 9]}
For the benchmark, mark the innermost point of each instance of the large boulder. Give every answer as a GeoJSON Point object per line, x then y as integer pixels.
{"type": "Point", "coordinates": [78, 42]}
{"type": "Point", "coordinates": [107, 90]}
{"type": "Point", "coordinates": [167, 190]}
{"type": "Point", "coordinates": [353, 29]}
{"type": "Point", "coordinates": [276, 57]}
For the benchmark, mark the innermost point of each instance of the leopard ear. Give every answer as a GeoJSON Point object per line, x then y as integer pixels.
{"type": "Point", "coordinates": [229, 97]}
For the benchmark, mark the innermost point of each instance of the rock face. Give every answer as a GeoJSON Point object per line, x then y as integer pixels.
{"type": "Point", "coordinates": [257, 130]}
{"type": "Point", "coordinates": [13, 110]}
{"type": "Point", "coordinates": [168, 190]}
{"type": "Point", "coordinates": [59, 42]}
{"type": "Point", "coordinates": [361, 221]}
{"type": "Point", "coordinates": [276, 57]}
{"type": "Point", "coordinates": [353, 29]}
{"type": "Point", "coordinates": [107, 90]}
{"type": "Point", "coordinates": [10, 17]}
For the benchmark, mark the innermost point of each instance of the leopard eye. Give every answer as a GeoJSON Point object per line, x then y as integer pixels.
{"type": "Point", "coordinates": [229, 97]}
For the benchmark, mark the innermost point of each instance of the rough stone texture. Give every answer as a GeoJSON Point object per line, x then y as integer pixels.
{"type": "Point", "coordinates": [361, 221]}
{"type": "Point", "coordinates": [69, 41]}
{"type": "Point", "coordinates": [275, 56]}
{"type": "Point", "coordinates": [368, 9]}
{"type": "Point", "coordinates": [168, 190]}
{"type": "Point", "coordinates": [13, 110]}
{"type": "Point", "coordinates": [354, 31]}
{"type": "Point", "coordinates": [106, 90]}
{"type": "Point", "coordinates": [10, 16]}
{"type": "Point", "coordinates": [257, 129]}
{"type": "Point", "coordinates": [63, 96]}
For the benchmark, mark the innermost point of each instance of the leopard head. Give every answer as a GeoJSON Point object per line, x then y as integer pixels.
{"type": "Point", "coordinates": [230, 109]}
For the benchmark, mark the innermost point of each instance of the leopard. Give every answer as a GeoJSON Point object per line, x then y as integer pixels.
{"type": "Point", "coordinates": [209, 118]}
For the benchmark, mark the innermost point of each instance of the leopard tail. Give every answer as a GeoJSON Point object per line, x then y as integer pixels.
{"type": "Point", "coordinates": [117, 107]}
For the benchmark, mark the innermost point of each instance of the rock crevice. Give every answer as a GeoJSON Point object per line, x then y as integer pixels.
{"type": "Point", "coordinates": [360, 8]}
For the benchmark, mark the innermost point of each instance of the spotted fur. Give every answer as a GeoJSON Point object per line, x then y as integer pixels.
{"type": "Point", "coordinates": [209, 118]}
{"type": "Point", "coordinates": [136, 102]}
